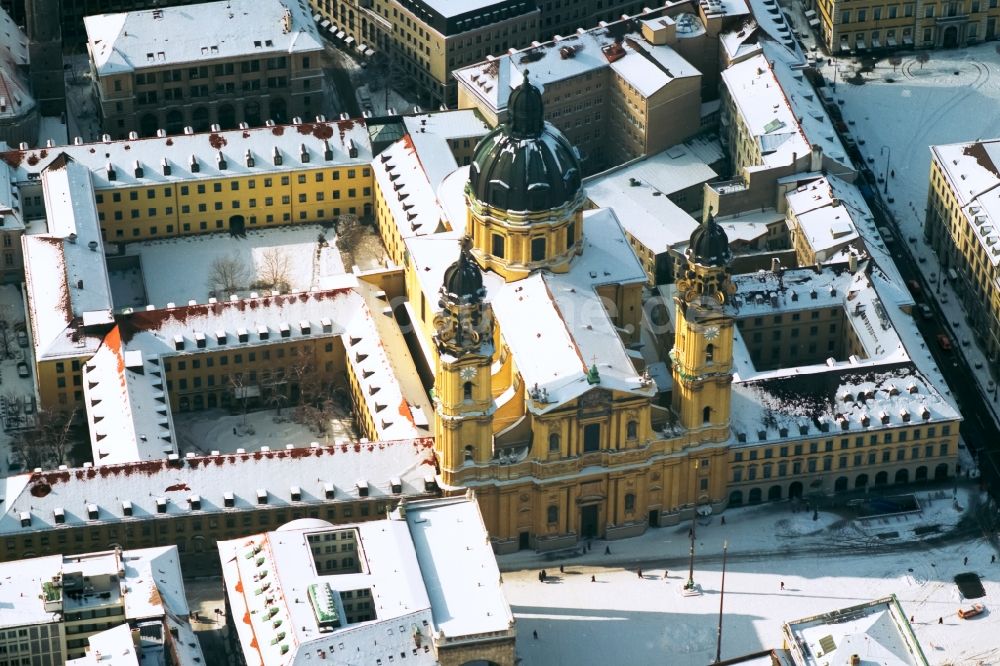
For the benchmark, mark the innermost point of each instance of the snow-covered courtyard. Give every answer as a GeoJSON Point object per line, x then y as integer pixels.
{"type": "Point", "coordinates": [218, 430]}
{"type": "Point", "coordinates": [161, 281]}
{"type": "Point", "coordinates": [825, 564]}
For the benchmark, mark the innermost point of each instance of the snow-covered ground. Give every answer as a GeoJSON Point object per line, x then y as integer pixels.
{"type": "Point", "coordinates": [218, 430]}
{"type": "Point", "coordinates": [952, 98]}
{"type": "Point", "coordinates": [13, 387]}
{"type": "Point", "coordinates": [164, 284]}
{"type": "Point", "coordinates": [826, 564]}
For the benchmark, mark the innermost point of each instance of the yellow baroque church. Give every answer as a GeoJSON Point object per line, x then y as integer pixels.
{"type": "Point", "coordinates": [578, 405]}
{"type": "Point", "coordinates": [542, 405]}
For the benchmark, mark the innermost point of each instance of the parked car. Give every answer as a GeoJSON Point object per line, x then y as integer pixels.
{"type": "Point", "coordinates": [925, 311]}
{"type": "Point", "coordinates": [971, 611]}
{"type": "Point", "coordinates": [914, 287]}
{"type": "Point", "coordinates": [22, 337]}
{"type": "Point", "coordinates": [944, 342]}
{"type": "Point", "coordinates": [22, 370]}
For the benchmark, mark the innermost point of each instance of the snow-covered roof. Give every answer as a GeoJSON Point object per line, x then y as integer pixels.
{"type": "Point", "coordinates": [128, 414]}
{"type": "Point", "coordinates": [403, 179]}
{"type": "Point", "coordinates": [765, 110]}
{"type": "Point", "coordinates": [770, 16]}
{"type": "Point", "coordinates": [111, 647]}
{"type": "Point", "coordinates": [805, 104]}
{"type": "Point", "coordinates": [825, 222]}
{"type": "Point", "coordinates": [139, 490]}
{"type": "Point", "coordinates": [450, 8]}
{"type": "Point", "coordinates": [839, 399]}
{"type": "Point", "coordinates": [750, 226]}
{"type": "Point", "coordinates": [638, 192]}
{"type": "Point", "coordinates": [459, 570]}
{"type": "Point", "coordinates": [453, 124]}
{"type": "Point", "coordinates": [22, 589]}
{"type": "Point", "coordinates": [647, 67]}
{"type": "Point", "coordinates": [224, 154]}
{"type": "Point", "coordinates": [15, 91]}
{"type": "Point", "coordinates": [877, 630]}
{"type": "Point", "coordinates": [147, 581]}
{"type": "Point", "coordinates": [65, 273]}
{"type": "Point", "coordinates": [155, 38]}
{"type": "Point", "coordinates": [724, 7]}
{"type": "Point", "coordinates": [400, 562]}
{"type": "Point", "coordinates": [972, 173]}
{"type": "Point", "coordinates": [556, 325]}
{"type": "Point", "coordinates": [743, 43]}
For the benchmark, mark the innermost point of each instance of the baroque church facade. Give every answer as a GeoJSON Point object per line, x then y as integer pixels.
{"type": "Point", "coordinates": [561, 451]}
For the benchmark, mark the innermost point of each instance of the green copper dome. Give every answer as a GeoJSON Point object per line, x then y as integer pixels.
{"type": "Point", "coordinates": [525, 164]}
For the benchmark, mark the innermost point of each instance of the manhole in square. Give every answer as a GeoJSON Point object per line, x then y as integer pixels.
{"type": "Point", "coordinates": [969, 585]}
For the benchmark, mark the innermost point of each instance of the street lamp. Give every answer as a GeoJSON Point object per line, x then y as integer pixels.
{"type": "Point", "coordinates": [888, 153]}
{"type": "Point", "coordinates": [722, 596]}
{"type": "Point", "coordinates": [689, 585]}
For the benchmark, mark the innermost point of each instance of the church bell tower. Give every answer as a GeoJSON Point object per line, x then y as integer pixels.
{"type": "Point", "coordinates": [463, 398]}
{"type": "Point", "coordinates": [702, 357]}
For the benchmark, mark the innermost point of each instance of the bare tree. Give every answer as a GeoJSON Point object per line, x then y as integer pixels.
{"type": "Point", "coordinates": [50, 442]}
{"type": "Point", "coordinates": [239, 383]}
{"type": "Point", "coordinates": [923, 57]}
{"type": "Point", "coordinates": [895, 61]}
{"type": "Point", "coordinates": [349, 235]}
{"type": "Point", "coordinates": [274, 270]}
{"type": "Point", "coordinates": [228, 273]}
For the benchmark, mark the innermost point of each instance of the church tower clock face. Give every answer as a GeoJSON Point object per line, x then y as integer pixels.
{"type": "Point", "coordinates": [468, 373]}
{"type": "Point", "coordinates": [711, 333]}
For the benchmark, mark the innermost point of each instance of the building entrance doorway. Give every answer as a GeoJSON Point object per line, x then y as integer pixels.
{"type": "Point", "coordinates": [654, 518]}
{"type": "Point", "coordinates": [950, 40]}
{"type": "Point", "coordinates": [588, 521]}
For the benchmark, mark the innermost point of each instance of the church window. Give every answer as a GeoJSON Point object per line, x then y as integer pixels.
{"type": "Point", "coordinates": [570, 234]}
{"type": "Point", "coordinates": [591, 437]}
{"type": "Point", "coordinates": [706, 415]}
{"type": "Point", "coordinates": [629, 502]}
{"type": "Point", "coordinates": [632, 429]}
{"type": "Point", "coordinates": [468, 454]}
{"type": "Point", "coordinates": [498, 246]}
{"type": "Point", "coordinates": [554, 441]}
{"type": "Point", "coordinates": [537, 249]}
{"type": "Point", "coordinates": [709, 353]}
{"type": "Point", "coordinates": [552, 514]}
{"type": "Point", "coordinates": [467, 391]}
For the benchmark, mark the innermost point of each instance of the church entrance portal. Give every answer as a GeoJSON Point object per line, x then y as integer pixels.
{"type": "Point", "coordinates": [588, 521]}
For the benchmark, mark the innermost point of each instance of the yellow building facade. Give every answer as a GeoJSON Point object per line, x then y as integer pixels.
{"type": "Point", "coordinates": [862, 26]}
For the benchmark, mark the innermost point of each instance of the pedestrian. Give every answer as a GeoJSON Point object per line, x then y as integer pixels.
{"type": "Point", "coordinates": [640, 573]}
{"type": "Point", "coordinates": [690, 533]}
{"type": "Point", "coordinates": [782, 585]}
{"type": "Point", "coordinates": [965, 561]}
{"type": "Point", "coordinates": [607, 550]}
{"type": "Point", "coordinates": [545, 575]}
{"type": "Point", "coordinates": [993, 558]}
{"type": "Point", "coordinates": [892, 173]}
{"type": "Point", "coordinates": [940, 620]}
{"type": "Point", "coordinates": [593, 579]}
{"type": "Point", "coordinates": [562, 569]}
{"type": "Point", "coordinates": [540, 579]}
{"type": "Point", "coordinates": [911, 619]}
{"type": "Point", "coordinates": [665, 572]}
{"type": "Point", "coordinates": [535, 634]}
{"type": "Point", "coordinates": [723, 520]}
{"type": "Point", "coordinates": [234, 430]}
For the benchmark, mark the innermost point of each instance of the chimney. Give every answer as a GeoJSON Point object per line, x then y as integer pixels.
{"type": "Point", "coordinates": [816, 158]}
